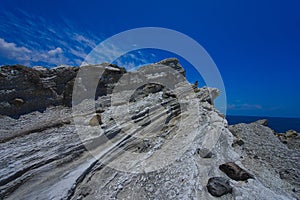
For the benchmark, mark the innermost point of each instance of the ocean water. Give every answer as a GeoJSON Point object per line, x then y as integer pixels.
{"type": "Point", "coordinates": [278, 124]}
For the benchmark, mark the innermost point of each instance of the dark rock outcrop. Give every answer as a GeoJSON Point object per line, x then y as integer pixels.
{"type": "Point", "coordinates": [235, 172]}
{"type": "Point", "coordinates": [18, 82]}
{"type": "Point", "coordinates": [218, 186]}
{"type": "Point", "coordinates": [24, 90]}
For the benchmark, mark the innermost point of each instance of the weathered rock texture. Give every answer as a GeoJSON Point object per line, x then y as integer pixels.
{"type": "Point", "coordinates": [44, 155]}
{"type": "Point", "coordinates": [291, 138]}
{"type": "Point", "coordinates": [271, 161]}
{"type": "Point", "coordinates": [24, 90]}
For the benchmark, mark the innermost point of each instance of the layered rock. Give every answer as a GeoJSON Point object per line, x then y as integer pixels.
{"type": "Point", "coordinates": [24, 90]}
{"type": "Point", "coordinates": [139, 140]}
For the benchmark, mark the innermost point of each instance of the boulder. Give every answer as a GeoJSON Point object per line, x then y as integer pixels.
{"type": "Point", "coordinates": [96, 120]}
{"type": "Point", "coordinates": [218, 186]}
{"type": "Point", "coordinates": [235, 172]}
{"type": "Point", "coordinates": [17, 102]}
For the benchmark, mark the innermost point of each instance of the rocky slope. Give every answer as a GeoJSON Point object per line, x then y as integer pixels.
{"type": "Point", "coordinates": [273, 162]}
{"type": "Point", "coordinates": [146, 142]}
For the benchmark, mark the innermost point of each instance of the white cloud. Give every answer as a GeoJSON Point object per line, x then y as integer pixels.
{"type": "Point", "coordinates": [58, 50]}
{"type": "Point", "coordinates": [25, 56]}
{"type": "Point", "coordinates": [56, 43]}
{"type": "Point", "coordinates": [12, 51]}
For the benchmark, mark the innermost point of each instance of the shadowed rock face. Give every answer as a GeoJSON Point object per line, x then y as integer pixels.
{"type": "Point", "coordinates": [25, 84]}
{"type": "Point", "coordinates": [24, 90]}
{"type": "Point", "coordinates": [59, 154]}
{"type": "Point", "coordinates": [233, 171]}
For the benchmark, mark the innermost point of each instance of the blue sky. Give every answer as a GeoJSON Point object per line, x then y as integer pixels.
{"type": "Point", "coordinates": [255, 44]}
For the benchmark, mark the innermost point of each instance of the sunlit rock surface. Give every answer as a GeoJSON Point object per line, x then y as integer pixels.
{"type": "Point", "coordinates": [136, 141]}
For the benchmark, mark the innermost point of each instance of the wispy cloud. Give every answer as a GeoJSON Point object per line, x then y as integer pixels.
{"type": "Point", "coordinates": [111, 53]}
{"type": "Point", "coordinates": [32, 40]}
{"type": "Point", "coordinates": [244, 107]}
{"type": "Point", "coordinates": [82, 39]}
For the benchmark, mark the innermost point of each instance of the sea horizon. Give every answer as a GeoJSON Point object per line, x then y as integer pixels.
{"type": "Point", "coordinates": [278, 124]}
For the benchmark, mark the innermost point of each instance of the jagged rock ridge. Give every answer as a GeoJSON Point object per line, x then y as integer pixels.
{"type": "Point", "coordinates": [45, 154]}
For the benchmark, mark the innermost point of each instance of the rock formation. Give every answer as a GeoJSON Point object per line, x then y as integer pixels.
{"type": "Point", "coordinates": [291, 138]}
{"type": "Point", "coordinates": [24, 90]}
{"type": "Point", "coordinates": [218, 186]}
{"type": "Point", "coordinates": [270, 160]}
{"type": "Point", "coordinates": [234, 172]}
{"type": "Point", "coordinates": [131, 140]}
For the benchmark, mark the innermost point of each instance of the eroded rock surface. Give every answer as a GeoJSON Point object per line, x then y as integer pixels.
{"type": "Point", "coordinates": [152, 142]}
{"type": "Point", "coordinates": [290, 138]}
{"type": "Point", "coordinates": [271, 161]}
{"type": "Point", "coordinates": [24, 90]}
